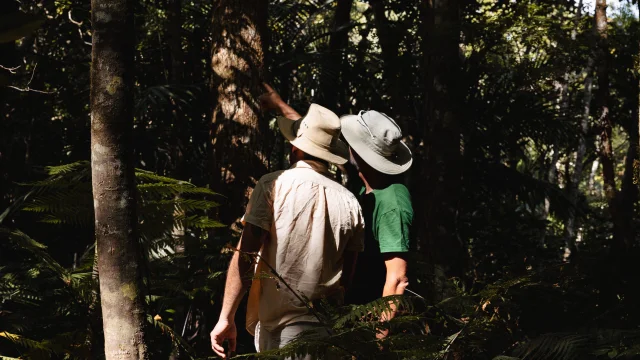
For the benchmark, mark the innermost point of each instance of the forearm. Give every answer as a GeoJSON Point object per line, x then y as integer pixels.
{"type": "Point", "coordinates": [393, 286]}
{"type": "Point", "coordinates": [239, 273]}
{"type": "Point", "coordinates": [287, 111]}
{"type": "Point", "coordinates": [236, 285]}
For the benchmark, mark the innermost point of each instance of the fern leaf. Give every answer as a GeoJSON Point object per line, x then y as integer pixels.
{"type": "Point", "coordinates": [67, 168]}
{"type": "Point", "coordinates": [25, 342]}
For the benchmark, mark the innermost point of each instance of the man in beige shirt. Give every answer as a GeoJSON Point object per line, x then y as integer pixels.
{"type": "Point", "coordinates": [306, 226]}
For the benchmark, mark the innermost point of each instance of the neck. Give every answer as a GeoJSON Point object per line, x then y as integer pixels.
{"type": "Point", "coordinates": [374, 181]}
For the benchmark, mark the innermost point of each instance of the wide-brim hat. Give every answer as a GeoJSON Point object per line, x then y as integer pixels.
{"type": "Point", "coordinates": [317, 134]}
{"type": "Point", "coordinates": [377, 139]}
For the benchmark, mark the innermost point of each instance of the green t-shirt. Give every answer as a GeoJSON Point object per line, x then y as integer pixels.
{"type": "Point", "coordinates": [388, 216]}
{"type": "Point", "coordinates": [391, 218]}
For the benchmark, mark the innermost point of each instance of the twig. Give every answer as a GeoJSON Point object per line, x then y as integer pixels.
{"type": "Point", "coordinates": [275, 273]}
{"type": "Point", "coordinates": [28, 88]}
{"type": "Point", "coordinates": [11, 70]}
{"type": "Point", "coordinates": [31, 90]}
{"type": "Point", "coordinates": [79, 23]}
{"type": "Point", "coordinates": [33, 73]}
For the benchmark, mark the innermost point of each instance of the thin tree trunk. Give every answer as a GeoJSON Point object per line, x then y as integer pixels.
{"type": "Point", "coordinates": [286, 82]}
{"type": "Point", "coordinates": [605, 123]}
{"type": "Point", "coordinates": [174, 32]}
{"type": "Point", "coordinates": [592, 176]}
{"type": "Point", "coordinates": [442, 133]}
{"type": "Point", "coordinates": [551, 176]}
{"type": "Point", "coordinates": [239, 154]}
{"type": "Point", "coordinates": [628, 194]}
{"type": "Point", "coordinates": [389, 46]}
{"type": "Point", "coordinates": [576, 177]}
{"type": "Point", "coordinates": [332, 68]}
{"type": "Point", "coordinates": [113, 180]}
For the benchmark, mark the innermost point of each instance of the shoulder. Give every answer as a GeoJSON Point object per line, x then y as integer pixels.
{"type": "Point", "coordinates": [395, 197]}
{"type": "Point", "coordinates": [269, 179]}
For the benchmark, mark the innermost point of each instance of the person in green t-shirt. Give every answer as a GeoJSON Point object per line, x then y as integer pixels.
{"type": "Point", "coordinates": [380, 156]}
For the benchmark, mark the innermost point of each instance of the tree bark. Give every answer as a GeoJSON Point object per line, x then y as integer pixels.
{"type": "Point", "coordinates": [174, 35]}
{"type": "Point", "coordinates": [239, 148]}
{"type": "Point", "coordinates": [604, 121]}
{"type": "Point", "coordinates": [442, 134]}
{"type": "Point", "coordinates": [576, 177]}
{"type": "Point", "coordinates": [113, 179]}
{"type": "Point", "coordinates": [389, 45]}
{"type": "Point", "coordinates": [330, 88]}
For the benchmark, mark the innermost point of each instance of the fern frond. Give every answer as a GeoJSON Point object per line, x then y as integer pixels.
{"type": "Point", "coordinates": [554, 347]}
{"type": "Point", "coordinates": [176, 339]}
{"type": "Point", "coordinates": [67, 168]}
{"type": "Point", "coordinates": [374, 309]}
{"type": "Point", "coordinates": [26, 342]}
{"type": "Point", "coordinates": [164, 189]}
{"type": "Point", "coordinates": [21, 240]}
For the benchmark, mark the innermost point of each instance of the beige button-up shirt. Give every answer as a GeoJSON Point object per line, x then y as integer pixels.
{"type": "Point", "coordinates": [312, 221]}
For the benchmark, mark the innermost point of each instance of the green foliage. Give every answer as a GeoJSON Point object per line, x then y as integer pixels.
{"type": "Point", "coordinates": [353, 333]}
{"type": "Point", "coordinates": [518, 96]}
{"type": "Point", "coordinates": [174, 277]}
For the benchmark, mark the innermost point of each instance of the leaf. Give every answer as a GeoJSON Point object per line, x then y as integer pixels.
{"type": "Point", "coordinates": [17, 25]}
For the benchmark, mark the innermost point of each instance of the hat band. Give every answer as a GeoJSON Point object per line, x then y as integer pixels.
{"type": "Point", "coordinates": [318, 137]}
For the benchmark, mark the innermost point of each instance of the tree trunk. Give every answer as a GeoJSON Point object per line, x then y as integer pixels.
{"type": "Point", "coordinates": [174, 35]}
{"type": "Point", "coordinates": [442, 166]}
{"type": "Point", "coordinates": [389, 45]}
{"type": "Point", "coordinates": [604, 121]}
{"type": "Point", "coordinates": [332, 68]}
{"type": "Point", "coordinates": [629, 191]}
{"type": "Point", "coordinates": [239, 151]}
{"type": "Point", "coordinates": [576, 177]}
{"type": "Point", "coordinates": [592, 176]}
{"type": "Point", "coordinates": [286, 74]}
{"type": "Point", "coordinates": [113, 179]}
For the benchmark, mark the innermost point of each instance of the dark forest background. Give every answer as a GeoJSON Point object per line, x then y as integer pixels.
{"type": "Point", "coordinates": [522, 117]}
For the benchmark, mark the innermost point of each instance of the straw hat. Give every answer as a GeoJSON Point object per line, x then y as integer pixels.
{"type": "Point", "coordinates": [317, 134]}
{"type": "Point", "coordinates": [377, 139]}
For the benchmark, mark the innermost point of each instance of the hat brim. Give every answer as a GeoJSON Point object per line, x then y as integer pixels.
{"type": "Point", "coordinates": [338, 154]}
{"type": "Point", "coordinates": [399, 162]}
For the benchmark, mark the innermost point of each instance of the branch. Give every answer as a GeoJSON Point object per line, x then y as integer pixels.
{"type": "Point", "coordinates": [295, 293]}
{"type": "Point", "coordinates": [79, 23]}
{"type": "Point", "coordinates": [11, 70]}
{"type": "Point", "coordinates": [28, 88]}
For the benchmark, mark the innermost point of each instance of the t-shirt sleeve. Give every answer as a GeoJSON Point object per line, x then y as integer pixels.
{"type": "Point", "coordinates": [356, 243]}
{"type": "Point", "coordinates": [259, 210]}
{"type": "Point", "coordinates": [393, 229]}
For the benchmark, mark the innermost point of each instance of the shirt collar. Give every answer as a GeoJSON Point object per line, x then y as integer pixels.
{"type": "Point", "coordinates": [313, 165]}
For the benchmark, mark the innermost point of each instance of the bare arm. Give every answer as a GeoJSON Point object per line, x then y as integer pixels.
{"type": "Point", "coordinates": [395, 283]}
{"type": "Point", "coordinates": [237, 280]}
{"type": "Point", "coordinates": [271, 100]}
{"type": "Point", "coordinates": [237, 284]}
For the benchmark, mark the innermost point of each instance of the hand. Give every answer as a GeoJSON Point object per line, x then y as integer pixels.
{"type": "Point", "coordinates": [381, 334]}
{"type": "Point", "coordinates": [224, 330]}
{"type": "Point", "coordinates": [270, 100]}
